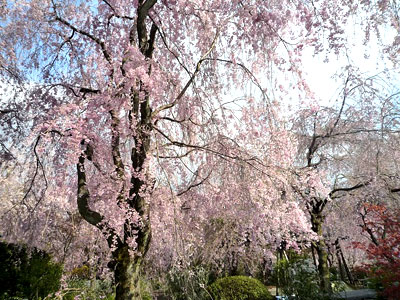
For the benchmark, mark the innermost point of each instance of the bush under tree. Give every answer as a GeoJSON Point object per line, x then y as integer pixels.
{"type": "Point", "coordinates": [239, 288]}
{"type": "Point", "coordinates": [27, 273]}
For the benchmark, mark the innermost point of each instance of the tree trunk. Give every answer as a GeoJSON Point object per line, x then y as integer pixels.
{"type": "Point", "coordinates": [317, 220]}
{"type": "Point", "coordinates": [346, 268]}
{"type": "Point", "coordinates": [339, 259]}
{"type": "Point", "coordinates": [313, 256]}
{"type": "Point", "coordinates": [340, 266]}
{"type": "Point", "coordinates": [127, 274]}
{"type": "Point", "coordinates": [323, 269]}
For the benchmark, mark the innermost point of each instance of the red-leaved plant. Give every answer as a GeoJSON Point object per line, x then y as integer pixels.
{"type": "Point", "coordinates": [382, 226]}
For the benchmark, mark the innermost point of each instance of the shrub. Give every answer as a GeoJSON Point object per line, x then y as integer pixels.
{"type": "Point", "coordinates": [88, 290]}
{"type": "Point", "coordinates": [27, 273]}
{"type": "Point", "coordinates": [334, 273]}
{"type": "Point", "coordinates": [145, 289]}
{"type": "Point", "coordinates": [94, 289]}
{"type": "Point", "coordinates": [188, 284]}
{"type": "Point", "coordinates": [239, 288]}
{"type": "Point", "coordinates": [360, 273]}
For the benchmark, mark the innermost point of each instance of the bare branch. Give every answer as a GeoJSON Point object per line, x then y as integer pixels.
{"type": "Point", "coordinates": [367, 229]}
{"type": "Point", "coordinates": [115, 12]}
{"type": "Point", "coordinates": [193, 185]}
{"type": "Point", "coordinates": [191, 79]}
{"type": "Point", "coordinates": [248, 72]}
{"type": "Point", "coordinates": [164, 40]}
{"type": "Point", "coordinates": [176, 156]}
{"type": "Point", "coordinates": [342, 106]}
{"type": "Point", "coordinates": [38, 165]}
{"type": "Point", "coordinates": [99, 42]}
{"type": "Point", "coordinates": [207, 149]}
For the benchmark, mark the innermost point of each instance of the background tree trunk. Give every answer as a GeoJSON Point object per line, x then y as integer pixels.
{"type": "Point", "coordinates": [344, 269]}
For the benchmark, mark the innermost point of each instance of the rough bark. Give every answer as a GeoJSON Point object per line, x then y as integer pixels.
{"type": "Point", "coordinates": [317, 220]}
{"type": "Point", "coordinates": [127, 274]}
{"type": "Point", "coordinates": [128, 265]}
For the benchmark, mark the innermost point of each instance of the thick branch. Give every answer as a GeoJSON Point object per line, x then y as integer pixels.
{"type": "Point", "coordinates": [142, 13]}
{"type": "Point", "coordinates": [7, 111]}
{"type": "Point", "coordinates": [152, 40]}
{"type": "Point", "coordinates": [367, 229]}
{"type": "Point", "coordinates": [91, 216]}
{"type": "Point", "coordinates": [311, 150]}
{"type": "Point", "coordinates": [348, 189]}
{"type": "Point", "coordinates": [86, 90]}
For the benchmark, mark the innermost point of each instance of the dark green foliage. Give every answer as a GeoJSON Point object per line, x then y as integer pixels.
{"type": "Point", "coordinates": [239, 288]}
{"type": "Point", "coordinates": [298, 279]}
{"type": "Point", "coordinates": [334, 273]}
{"type": "Point", "coordinates": [27, 273]}
{"type": "Point", "coordinates": [9, 261]}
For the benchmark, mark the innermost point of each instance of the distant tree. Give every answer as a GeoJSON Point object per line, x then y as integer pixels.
{"type": "Point", "coordinates": [339, 156]}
